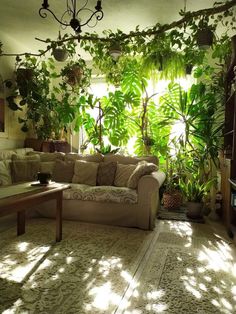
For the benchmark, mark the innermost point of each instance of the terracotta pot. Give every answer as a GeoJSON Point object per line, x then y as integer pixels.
{"type": "Point", "coordinates": [194, 209]}
{"type": "Point", "coordinates": [172, 200]}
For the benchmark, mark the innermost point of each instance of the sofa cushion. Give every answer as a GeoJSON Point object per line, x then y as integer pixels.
{"type": "Point", "coordinates": [5, 172]}
{"type": "Point", "coordinates": [129, 159]}
{"type": "Point", "coordinates": [47, 166]}
{"type": "Point", "coordinates": [25, 170]}
{"type": "Point", "coordinates": [23, 151]}
{"type": "Point", "coordinates": [123, 172]}
{"type": "Point", "coordinates": [143, 168]}
{"type": "Point", "coordinates": [45, 157]}
{"type": "Point", "coordinates": [76, 192]}
{"type": "Point", "coordinates": [25, 158]}
{"type": "Point", "coordinates": [93, 158]}
{"type": "Point", "coordinates": [7, 154]}
{"type": "Point", "coordinates": [85, 172]}
{"type": "Point", "coordinates": [106, 173]}
{"type": "Point", "coordinates": [63, 171]}
{"type": "Point", "coordinates": [106, 194]}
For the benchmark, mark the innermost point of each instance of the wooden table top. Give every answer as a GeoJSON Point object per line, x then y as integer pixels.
{"type": "Point", "coordinates": [17, 192]}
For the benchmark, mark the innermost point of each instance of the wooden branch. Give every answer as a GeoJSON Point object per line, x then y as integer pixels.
{"type": "Point", "coordinates": [156, 30]}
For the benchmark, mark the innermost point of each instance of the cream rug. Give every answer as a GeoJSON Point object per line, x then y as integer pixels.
{"type": "Point", "coordinates": [178, 268]}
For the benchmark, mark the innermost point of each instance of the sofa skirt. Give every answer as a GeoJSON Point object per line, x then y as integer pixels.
{"type": "Point", "coordinates": [126, 215]}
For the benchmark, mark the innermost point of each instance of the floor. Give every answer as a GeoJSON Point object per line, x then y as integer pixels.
{"type": "Point", "coordinates": [163, 227]}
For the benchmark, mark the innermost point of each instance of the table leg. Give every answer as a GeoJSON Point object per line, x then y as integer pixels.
{"type": "Point", "coordinates": [20, 222]}
{"type": "Point", "coordinates": [59, 217]}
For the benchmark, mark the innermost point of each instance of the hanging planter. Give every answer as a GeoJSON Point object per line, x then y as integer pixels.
{"type": "Point", "coordinates": [23, 75]}
{"type": "Point", "coordinates": [188, 69]}
{"type": "Point", "coordinates": [76, 74]}
{"type": "Point", "coordinates": [115, 51]}
{"type": "Point", "coordinates": [204, 38]}
{"type": "Point", "coordinates": [60, 54]}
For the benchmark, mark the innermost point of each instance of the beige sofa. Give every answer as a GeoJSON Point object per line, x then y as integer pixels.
{"type": "Point", "coordinates": [115, 205]}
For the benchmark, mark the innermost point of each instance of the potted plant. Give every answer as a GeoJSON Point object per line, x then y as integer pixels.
{"type": "Point", "coordinates": [195, 191]}
{"type": "Point", "coordinates": [172, 196]}
{"type": "Point", "coordinates": [205, 34]}
{"type": "Point", "coordinates": [63, 48]}
{"type": "Point", "coordinates": [77, 74]}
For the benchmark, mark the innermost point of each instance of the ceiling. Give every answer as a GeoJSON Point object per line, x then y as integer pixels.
{"type": "Point", "coordinates": [20, 22]}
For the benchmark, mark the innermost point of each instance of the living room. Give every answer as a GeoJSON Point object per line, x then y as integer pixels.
{"type": "Point", "coordinates": [132, 113]}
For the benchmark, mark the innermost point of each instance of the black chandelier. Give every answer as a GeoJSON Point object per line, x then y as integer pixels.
{"type": "Point", "coordinates": [73, 13]}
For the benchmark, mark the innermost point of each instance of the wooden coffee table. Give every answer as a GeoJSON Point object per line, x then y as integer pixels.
{"type": "Point", "coordinates": [27, 197]}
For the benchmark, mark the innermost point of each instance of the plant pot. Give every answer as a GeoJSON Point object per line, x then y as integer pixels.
{"type": "Point", "coordinates": [74, 75]}
{"type": "Point", "coordinates": [60, 54]}
{"type": "Point", "coordinates": [188, 69]}
{"type": "Point", "coordinates": [194, 210]}
{"type": "Point", "coordinates": [204, 38]}
{"type": "Point", "coordinates": [23, 74]}
{"type": "Point", "coordinates": [115, 51]}
{"type": "Point", "coordinates": [172, 200]}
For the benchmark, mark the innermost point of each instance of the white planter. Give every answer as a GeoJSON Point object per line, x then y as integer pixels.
{"type": "Point", "coordinates": [60, 54]}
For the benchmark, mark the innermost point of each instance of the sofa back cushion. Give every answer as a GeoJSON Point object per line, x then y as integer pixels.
{"type": "Point", "coordinates": [5, 172]}
{"type": "Point", "coordinates": [143, 168]}
{"type": "Point", "coordinates": [47, 157]}
{"type": "Point", "coordinates": [123, 172]}
{"type": "Point", "coordinates": [63, 171]}
{"type": "Point", "coordinates": [25, 168]}
{"type": "Point", "coordinates": [85, 172]}
{"type": "Point", "coordinates": [93, 158]}
{"type": "Point", "coordinates": [130, 160]}
{"type": "Point", "coordinates": [6, 154]}
{"type": "Point", "coordinates": [47, 166]}
{"type": "Point", "coordinates": [106, 173]}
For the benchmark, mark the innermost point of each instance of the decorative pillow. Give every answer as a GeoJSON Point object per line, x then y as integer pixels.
{"type": "Point", "coordinates": [63, 171]}
{"type": "Point", "coordinates": [106, 173]}
{"type": "Point", "coordinates": [123, 172]}
{"type": "Point", "coordinates": [85, 172]}
{"type": "Point", "coordinates": [25, 170]}
{"type": "Point", "coordinates": [47, 166]}
{"type": "Point", "coordinates": [5, 172]}
{"type": "Point", "coordinates": [141, 169]}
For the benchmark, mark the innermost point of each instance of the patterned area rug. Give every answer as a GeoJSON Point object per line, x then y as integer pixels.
{"type": "Point", "coordinates": [178, 268]}
{"type": "Point", "coordinates": [190, 270]}
{"type": "Point", "coordinates": [87, 272]}
{"type": "Point", "coordinates": [178, 214]}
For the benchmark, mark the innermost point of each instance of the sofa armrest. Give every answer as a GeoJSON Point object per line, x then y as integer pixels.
{"type": "Point", "coordinates": [151, 181]}
{"type": "Point", "coordinates": [148, 198]}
